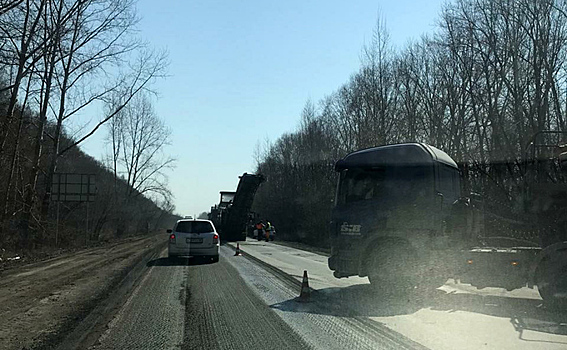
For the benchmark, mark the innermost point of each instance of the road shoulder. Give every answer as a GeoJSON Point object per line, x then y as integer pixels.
{"type": "Point", "coordinates": [43, 304]}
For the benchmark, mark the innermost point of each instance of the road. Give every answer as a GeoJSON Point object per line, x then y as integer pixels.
{"type": "Point", "coordinates": [195, 304]}
{"type": "Point", "coordinates": [456, 316]}
{"type": "Point", "coordinates": [233, 304]}
{"type": "Point", "coordinates": [251, 302]}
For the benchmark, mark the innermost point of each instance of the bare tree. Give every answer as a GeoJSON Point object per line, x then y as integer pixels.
{"type": "Point", "coordinates": [97, 41]}
{"type": "Point", "coordinates": [7, 5]}
{"type": "Point", "coordinates": [22, 48]}
{"type": "Point", "coordinates": [81, 53]}
{"type": "Point", "coordinates": [139, 141]}
{"type": "Point", "coordinates": [53, 22]}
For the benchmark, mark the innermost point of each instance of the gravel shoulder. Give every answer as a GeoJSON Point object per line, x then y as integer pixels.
{"type": "Point", "coordinates": [43, 302]}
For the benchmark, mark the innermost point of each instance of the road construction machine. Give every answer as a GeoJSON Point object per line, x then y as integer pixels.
{"type": "Point", "coordinates": [230, 216]}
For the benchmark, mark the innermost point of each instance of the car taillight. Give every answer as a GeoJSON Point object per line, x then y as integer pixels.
{"type": "Point", "coordinates": [215, 238]}
{"type": "Point", "coordinates": [172, 237]}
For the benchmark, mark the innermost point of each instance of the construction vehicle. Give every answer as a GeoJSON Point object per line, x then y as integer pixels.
{"type": "Point", "coordinates": [400, 219]}
{"type": "Point", "coordinates": [230, 216]}
{"type": "Point", "coordinates": [253, 218]}
{"type": "Point", "coordinates": [214, 215]}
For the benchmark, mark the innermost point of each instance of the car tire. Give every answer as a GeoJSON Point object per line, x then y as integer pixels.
{"type": "Point", "coordinates": [215, 258]}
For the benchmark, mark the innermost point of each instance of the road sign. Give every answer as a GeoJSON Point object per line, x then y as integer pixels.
{"type": "Point", "coordinates": [68, 187]}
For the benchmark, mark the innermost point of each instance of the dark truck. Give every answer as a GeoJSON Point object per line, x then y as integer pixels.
{"type": "Point", "coordinates": [219, 211]}
{"type": "Point", "coordinates": [400, 219]}
{"type": "Point", "coordinates": [231, 215]}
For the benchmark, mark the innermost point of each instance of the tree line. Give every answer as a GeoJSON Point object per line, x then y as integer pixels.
{"type": "Point", "coordinates": [62, 62]}
{"type": "Point", "coordinates": [491, 75]}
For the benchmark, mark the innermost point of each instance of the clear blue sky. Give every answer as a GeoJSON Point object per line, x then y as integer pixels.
{"type": "Point", "coordinates": [241, 71]}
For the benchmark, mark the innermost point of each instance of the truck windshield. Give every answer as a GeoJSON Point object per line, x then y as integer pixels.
{"type": "Point", "coordinates": [393, 183]}
{"type": "Point", "coordinates": [227, 197]}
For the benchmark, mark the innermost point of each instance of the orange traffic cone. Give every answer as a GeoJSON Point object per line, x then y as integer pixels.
{"type": "Point", "coordinates": [237, 253]}
{"type": "Point", "coordinates": [305, 290]}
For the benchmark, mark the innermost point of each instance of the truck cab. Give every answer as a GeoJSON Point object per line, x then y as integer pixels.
{"type": "Point", "coordinates": [390, 207]}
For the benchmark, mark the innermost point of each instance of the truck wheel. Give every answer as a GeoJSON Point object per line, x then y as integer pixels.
{"type": "Point", "coordinates": [390, 269]}
{"type": "Point", "coordinates": [552, 282]}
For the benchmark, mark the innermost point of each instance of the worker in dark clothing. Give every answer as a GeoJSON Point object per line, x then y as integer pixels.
{"type": "Point", "coordinates": [259, 230]}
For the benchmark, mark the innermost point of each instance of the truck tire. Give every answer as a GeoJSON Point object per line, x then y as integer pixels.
{"type": "Point", "coordinates": [390, 269]}
{"type": "Point", "coordinates": [552, 281]}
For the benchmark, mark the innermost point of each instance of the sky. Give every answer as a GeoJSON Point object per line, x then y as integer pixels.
{"type": "Point", "coordinates": [240, 73]}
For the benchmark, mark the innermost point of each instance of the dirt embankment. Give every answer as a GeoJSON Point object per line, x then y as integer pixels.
{"type": "Point", "coordinates": [42, 302]}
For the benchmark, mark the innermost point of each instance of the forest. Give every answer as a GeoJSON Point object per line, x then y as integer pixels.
{"type": "Point", "coordinates": [70, 69]}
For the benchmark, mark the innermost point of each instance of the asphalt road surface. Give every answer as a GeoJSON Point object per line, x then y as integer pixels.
{"type": "Point", "coordinates": [153, 315]}
{"type": "Point", "coordinates": [250, 302]}
{"type": "Point", "coordinates": [127, 295]}
{"type": "Point", "coordinates": [222, 312]}
{"type": "Point", "coordinates": [455, 316]}
{"type": "Point", "coordinates": [196, 304]}
{"type": "Point", "coordinates": [236, 303]}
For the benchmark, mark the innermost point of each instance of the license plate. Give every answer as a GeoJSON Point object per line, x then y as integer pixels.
{"type": "Point", "coordinates": [194, 240]}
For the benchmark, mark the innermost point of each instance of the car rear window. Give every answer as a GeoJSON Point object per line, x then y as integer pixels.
{"type": "Point", "coordinates": [194, 227]}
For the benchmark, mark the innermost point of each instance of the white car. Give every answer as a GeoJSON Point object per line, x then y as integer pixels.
{"type": "Point", "coordinates": [194, 238]}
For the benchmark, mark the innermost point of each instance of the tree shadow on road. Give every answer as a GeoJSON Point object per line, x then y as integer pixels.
{"type": "Point", "coordinates": [192, 261]}
{"type": "Point", "coordinates": [365, 300]}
